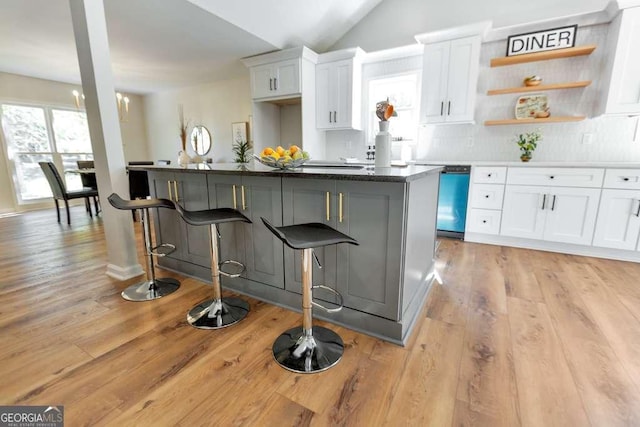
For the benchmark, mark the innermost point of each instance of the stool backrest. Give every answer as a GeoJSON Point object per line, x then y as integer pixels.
{"type": "Point", "coordinates": [55, 181]}
{"type": "Point", "coordinates": [139, 181]}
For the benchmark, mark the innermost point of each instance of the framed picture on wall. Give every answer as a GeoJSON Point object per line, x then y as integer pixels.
{"type": "Point", "coordinates": [239, 131]}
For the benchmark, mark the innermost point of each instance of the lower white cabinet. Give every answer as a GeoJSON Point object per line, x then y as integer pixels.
{"type": "Point", "coordinates": [557, 214]}
{"type": "Point", "coordinates": [618, 223]}
{"type": "Point", "coordinates": [486, 221]}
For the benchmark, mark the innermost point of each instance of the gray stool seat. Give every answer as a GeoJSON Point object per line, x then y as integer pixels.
{"type": "Point", "coordinates": [122, 204]}
{"type": "Point", "coordinates": [310, 235]}
{"type": "Point", "coordinates": [153, 287]}
{"type": "Point", "coordinates": [309, 349]}
{"type": "Point", "coordinates": [216, 312]}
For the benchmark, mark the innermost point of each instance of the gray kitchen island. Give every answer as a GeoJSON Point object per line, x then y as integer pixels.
{"type": "Point", "coordinates": [390, 211]}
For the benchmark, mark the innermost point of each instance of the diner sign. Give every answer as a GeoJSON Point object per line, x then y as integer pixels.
{"type": "Point", "coordinates": [539, 41]}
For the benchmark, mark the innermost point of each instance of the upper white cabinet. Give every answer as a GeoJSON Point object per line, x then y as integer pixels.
{"type": "Point", "coordinates": [449, 80]}
{"type": "Point", "coordinates": [338, 90]}
{"type": "Point", "coordinates": [620, 84]}
{"type": "Point", "coordinates": [276, 80]}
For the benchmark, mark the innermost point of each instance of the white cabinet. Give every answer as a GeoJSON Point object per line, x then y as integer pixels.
{"type": "Point", "coordinates": [620, 84]}
{"type": "Point", "coordinates": [557, 214]}
{"type": "Point", "coordinates": [276, 80]}
{"type": "Point", "coordinates": [449, 80]}
{"type": "Point", "coordinates": [338, 93]}
{"type": "Point", "coordinates": [485, 199]}
{"type": "Point", "coordinates": [489, 174]}
{"type": "Point", "coordinates": [618, 223]}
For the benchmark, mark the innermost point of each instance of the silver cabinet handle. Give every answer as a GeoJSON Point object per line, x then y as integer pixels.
{"type": "Point", "coordinates": [441, 108]}
{"type": "Point", "coordinates": [335, 118]}
{"type": "Point", "coordinates": [340, 207]}
{"type": "Point", "coordinates": [175, 191]}
{"type": "Point", "coordinates": [544, 201]}
{"type": "Point", "coordinates": [553, 203]}
{"type": "Point", "coordinates": [638, 211]}
{"type": "Point", "coordinates": [275, 84]}
{"type": "Point", "coordinates": [270, 84]}
{"type": "Point", "coordinates": [169, 188]}
{"type": "Point", "coordinates": [449, 109]}
{"type": "Point", "coordinates": [244, 205]}
{"type": "Point", "coordinates": [235, 202]}
{"type": "Point", "coordinates": [330, 117]}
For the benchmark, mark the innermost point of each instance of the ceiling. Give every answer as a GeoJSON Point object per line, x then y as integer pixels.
{"type": "Point", "coordinates": [159, 45]}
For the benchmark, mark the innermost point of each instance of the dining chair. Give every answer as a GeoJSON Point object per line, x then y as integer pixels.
{"type": "Point", "coordinates": [60, 192]}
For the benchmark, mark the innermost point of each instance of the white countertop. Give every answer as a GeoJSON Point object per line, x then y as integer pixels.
{"type": "Point", "coordinates": [620, 165]}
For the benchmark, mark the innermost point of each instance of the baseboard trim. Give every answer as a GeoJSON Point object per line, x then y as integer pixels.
{"type": "Point", "coordinates": [564, 248]}
{"type": "Point", "coordinates": [124, 273]}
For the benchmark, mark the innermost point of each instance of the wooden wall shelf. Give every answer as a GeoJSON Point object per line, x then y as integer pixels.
{"type": "Point", "coordinates": [558, 119]}
{"type": "Point", "coordinates": [541, 56]}
{"type": "Point", "coordinates": [555, 86]}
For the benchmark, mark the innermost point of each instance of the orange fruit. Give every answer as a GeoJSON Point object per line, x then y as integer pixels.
{"type": "Point", "coordinates": [267, 151]}
{"type": "Point", "coordinates": [293, 149]}
{"type": "Point", "coordinates": [275, 155]}
{"type": "Point", "coordinates": [280, 150]}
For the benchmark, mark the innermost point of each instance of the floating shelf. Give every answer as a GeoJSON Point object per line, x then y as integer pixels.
{"type": "Point", "coordinates": [554, 86]}
{"type": "Point", "coordinates": [541, 56]}
{"type": "Point", "coordinates": [558, 119]}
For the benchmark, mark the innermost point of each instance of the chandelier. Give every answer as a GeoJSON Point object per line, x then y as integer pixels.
{"type": "Point", "coordinates": [122, 101]}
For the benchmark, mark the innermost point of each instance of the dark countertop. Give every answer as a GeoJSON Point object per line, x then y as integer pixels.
{"type": "Point", "coordinates": [392, 174]}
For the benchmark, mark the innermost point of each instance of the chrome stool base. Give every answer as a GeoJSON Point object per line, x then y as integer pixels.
{"type": "Point", "coordinates": [150, 290]}
{"type": "Point", "coordinates": [310, 352]}
{"type": "Point", "coordinates": [217, 314]}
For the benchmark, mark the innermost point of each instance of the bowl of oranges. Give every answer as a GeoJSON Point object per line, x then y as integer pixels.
{"type": "Point", "coordinates": [283, 159]}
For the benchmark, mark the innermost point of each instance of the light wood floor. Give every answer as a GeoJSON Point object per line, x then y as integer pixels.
{"type": "Point", "coordinates": [515, 337]}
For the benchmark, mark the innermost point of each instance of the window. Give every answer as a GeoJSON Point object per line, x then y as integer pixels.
{"type": "Point", "coordinates": [36, 134]}
{"type": "Point", "coordinates": [403, 92]}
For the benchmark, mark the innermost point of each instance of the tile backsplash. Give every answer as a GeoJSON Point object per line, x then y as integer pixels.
{"type": "Point", "coordinates": [593, 139]}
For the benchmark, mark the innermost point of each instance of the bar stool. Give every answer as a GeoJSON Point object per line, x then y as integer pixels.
{"type": "Point", "coordinates": [309, 348]}
{"type": "Point", "coordinates": [152, 288]}
{"type": "Point", "coordinates": [216, 312]}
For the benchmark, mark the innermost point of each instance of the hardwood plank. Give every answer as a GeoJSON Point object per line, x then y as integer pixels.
{"type": "Point", "coordinates": [546, 390]}
{"type": "Point", "coordinates": [427, 388]}
{"type": "Point", "coordinates": [287, 412]}
{"type": "Point", "coordinates": [518, 271]}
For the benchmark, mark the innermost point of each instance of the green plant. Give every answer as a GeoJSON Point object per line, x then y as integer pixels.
{"type": "Point", "coordinates": [241, 149]}
{"type": "Point", "coordinates": [528, 142]}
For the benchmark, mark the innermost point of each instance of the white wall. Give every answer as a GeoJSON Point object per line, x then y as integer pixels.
{"type": "Point", "coordinates": [394, 22]}
{"type": "Point", "coordinates": [28, 90]}
{"type": "Point", "coordinates": [214, 105]}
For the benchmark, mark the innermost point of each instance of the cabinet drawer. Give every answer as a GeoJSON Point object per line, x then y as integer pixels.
{"type": "Point", "coordinates": [489, 174]}
{"type": "Point", "coordinates": [487, 196]}
{"type": "Point", "coordinates": [622, 178]}
{"type": "Point", "coordinates": [484, 221]}
{"type": "Point", "coordinates": [562, 177]}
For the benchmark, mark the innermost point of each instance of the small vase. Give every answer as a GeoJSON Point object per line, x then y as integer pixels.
{"type": "Point", "coordinates": [525, 157]}
{"type": "Point", "coordinates": [383, 146]}
{"type": "Point", "coordinates": [183, 159]}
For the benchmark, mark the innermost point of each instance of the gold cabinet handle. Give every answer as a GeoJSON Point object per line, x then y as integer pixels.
{"type": "Point", "coordinates": [235, 202]}
{"type": "Point", "coordinates": [340, 207]}
{"type": "Point", "coordinates": [175, 190]}
{"type": "Point", "coordinates": [244, 205]}
{"type": "Point", "coordinates": [169, 188]}
{"type": "Point", "coordinates": [327, 203]}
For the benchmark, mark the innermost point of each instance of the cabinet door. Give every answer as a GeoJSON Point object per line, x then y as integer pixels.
{"type": "Point", "coordinates": [623, 95]}
{"type": "Point", "coordinates": [287, 78]}
{"type": "Point", "coordinates": [262, 81]}
{"type": "Point", "coordinates": [305, 200]}
{"type": "Point", "coordinates": [224, 192]}
{"type": "Point", "coordinates": [464, 60]}
{"type": "Point", "coordinates": [167, 223]}
{"type": "Point", "coordinates": [324, 109]}
{"type": "Point", "coordinates": [263, 251]}
{"type": "Point", "coordinates": [571, 214]}
{"type": "Point", "coordinates": [434, 82]}
{"type": "Point", "coordinates": [193, 196]}
{"type": "Point", "coordinates": [343, 93]}
{"type": "Point", "coordinates": [372, 213]}
{"type": "Point", "coordinates": [523, 214]}
{"type": "Point", "coordinates": [618, 223]}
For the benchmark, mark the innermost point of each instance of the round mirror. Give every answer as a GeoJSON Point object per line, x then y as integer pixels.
{"type": "Point", "coordinates": [200, 140]}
